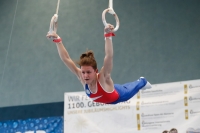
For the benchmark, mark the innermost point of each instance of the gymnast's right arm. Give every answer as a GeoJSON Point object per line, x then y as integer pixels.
{"type": "Point", "coordinates": [64, 55]}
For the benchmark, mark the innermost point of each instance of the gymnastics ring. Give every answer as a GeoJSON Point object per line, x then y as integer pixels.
{"type": "Point", "coordinates": [111, 11]}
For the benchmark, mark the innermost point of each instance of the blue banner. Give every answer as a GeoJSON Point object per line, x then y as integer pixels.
{"type": "Point", "coordinates": [38, 125]}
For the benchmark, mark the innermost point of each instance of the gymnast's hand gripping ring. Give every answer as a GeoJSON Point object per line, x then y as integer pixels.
{"type": "Point", "coordinates": [111, 11]}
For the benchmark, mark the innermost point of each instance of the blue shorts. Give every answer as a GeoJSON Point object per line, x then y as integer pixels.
{"type": "Point", "coordinates": [128, 90]}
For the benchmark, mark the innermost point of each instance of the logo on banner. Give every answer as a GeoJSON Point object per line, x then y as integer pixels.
{"type": "Point", "coordinates": [186, 114]}
{"type": "Point", "coordinates": [185, 101]}
{"type": "Point", "coordinates": [138, 121]}
{"type": "Point", "coordinates": [185, 89]}
{"type": "Point", "coordinates": [138, 106]}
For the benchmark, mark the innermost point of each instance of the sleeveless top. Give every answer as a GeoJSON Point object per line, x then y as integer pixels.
{"type": "Point", "coordinates": [101, 95]}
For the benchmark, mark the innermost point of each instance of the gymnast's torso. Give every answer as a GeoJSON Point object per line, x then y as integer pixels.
{"type": "Point", "coordinates": [101, 95]}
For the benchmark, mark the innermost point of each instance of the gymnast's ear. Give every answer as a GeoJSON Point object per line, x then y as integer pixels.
{"type": "Point", "coordinates": [96, 71]}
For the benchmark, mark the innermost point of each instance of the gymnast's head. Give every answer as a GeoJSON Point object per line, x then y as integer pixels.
{"type": "Point", "coordinates": [88, 65]}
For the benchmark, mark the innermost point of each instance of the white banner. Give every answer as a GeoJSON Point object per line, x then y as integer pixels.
{"type": "Point", "coordinates": [169, 106]}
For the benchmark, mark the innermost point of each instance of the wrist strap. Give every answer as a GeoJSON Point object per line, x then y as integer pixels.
{"type": "Point", "coordinates": [57, 40]}
{"type": "Point", "coordinates": [110, 34]}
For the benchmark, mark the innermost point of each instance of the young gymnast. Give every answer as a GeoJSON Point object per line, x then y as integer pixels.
{"type": "Point", "coordinates": [99, 86]}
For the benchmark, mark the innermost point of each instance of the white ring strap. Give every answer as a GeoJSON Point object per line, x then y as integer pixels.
{"type": "Point", "coordinates": [57, 6]}
{"type": "Point", "coordinates": [110, 4]}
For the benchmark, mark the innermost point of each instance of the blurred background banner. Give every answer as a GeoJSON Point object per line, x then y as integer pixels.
{"type": "Point", "coordinates": [39, 125]}
{"type": "Point", "coordinates": [170, 106]}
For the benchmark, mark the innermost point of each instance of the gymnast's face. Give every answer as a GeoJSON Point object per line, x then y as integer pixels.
{"type": "Point", "coordinates": [89, 74]}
